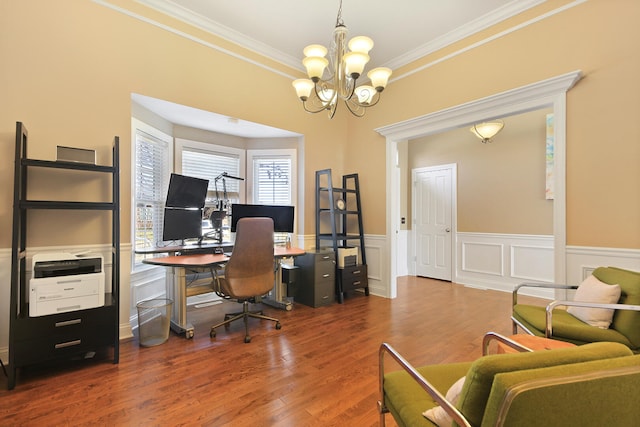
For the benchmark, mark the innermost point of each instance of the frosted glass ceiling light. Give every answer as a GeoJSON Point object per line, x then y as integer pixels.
{"type": "Point", "coordinates": [344, 67]}
{"type": "Point", "coordinates": [486, 131]}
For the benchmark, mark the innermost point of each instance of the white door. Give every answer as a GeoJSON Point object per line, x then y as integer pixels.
{"type": "Point", "coordinates": [433, 197]}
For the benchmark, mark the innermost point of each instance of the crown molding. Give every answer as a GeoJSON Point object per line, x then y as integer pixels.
{"type": "Point", "coordinates": [479, 24]}
{"type": "Point", "coordinates": [202, 22]}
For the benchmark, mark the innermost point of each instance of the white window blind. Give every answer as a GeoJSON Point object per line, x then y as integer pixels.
{"type": "Point", "coordinates": [150, 174]}
{"type": "Point", "coordinates": [209, 165]}
{"type": "Point", "coordinates": [272, 180]}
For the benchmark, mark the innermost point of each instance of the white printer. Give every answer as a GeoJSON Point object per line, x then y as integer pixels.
{"type": "Point", "coordinates": [63, 282]}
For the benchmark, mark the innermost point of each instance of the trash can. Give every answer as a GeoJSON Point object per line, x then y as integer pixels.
{"type": "Point", "coordinates": [154, 318]}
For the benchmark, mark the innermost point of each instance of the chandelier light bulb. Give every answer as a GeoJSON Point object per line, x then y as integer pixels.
{"type": "Point", "coordinates": [315, 50]}
{"type": "Point", "coordinates": [365, 94]}
{"type": "Point", "coordinates": [379, 77]}
{"type": "Point", "coordinates": [315, 66]}
{"type": "Point", "coordinates": [360, 44]}
{"type": "Point", "coordinates": [303, 88]}
{"type": "Point", "coordinates": [354, 63]}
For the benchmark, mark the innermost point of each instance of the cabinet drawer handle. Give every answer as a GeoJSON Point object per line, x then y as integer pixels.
{"type": "Point", "coordinates": [68, 323]}
{"type": "Point", "coordinates": [325, 275]}
{"type": "Point", "coordinates": [356, 283]}
{"type": "Point", "coordinates": [68, 344]}
{"type": "Point", "coordinates": [325, 257]}
{"type": "Point", "coordinates": [355, 272]}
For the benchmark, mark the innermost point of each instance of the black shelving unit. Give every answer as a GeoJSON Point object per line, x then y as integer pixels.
{"type": "Point", "coordinates": [43, 339]}
{"type": "Point", "coordinates": [340, 209]}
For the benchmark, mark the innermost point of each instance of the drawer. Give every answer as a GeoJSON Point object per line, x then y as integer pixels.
{"type": "Point", "coordinates": [317, 294]}
{"type": "Point", "coordinates": [74, 322]}
{"type": "Point", "coordinates": [59, 346]}
{"type": "Point", "coordinates": [353, 277]}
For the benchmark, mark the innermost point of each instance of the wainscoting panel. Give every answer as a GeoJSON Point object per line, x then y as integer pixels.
{"type": "Point", "coordinates": [527, 260]}
{"type": "Point", "coordinates": [501, 261]}
{"type": "Point", "coordinates": [482, 257]}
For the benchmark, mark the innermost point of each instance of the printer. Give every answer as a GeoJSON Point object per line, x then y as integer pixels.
{"type": "Point", "coordinates": [63, 282]}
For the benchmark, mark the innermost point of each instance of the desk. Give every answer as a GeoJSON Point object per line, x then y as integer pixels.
{"type": "Point", "coordinates": [178, 292]}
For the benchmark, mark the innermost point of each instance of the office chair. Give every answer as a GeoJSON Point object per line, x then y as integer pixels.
{"type": "Point", "coordinates": [249, 273]}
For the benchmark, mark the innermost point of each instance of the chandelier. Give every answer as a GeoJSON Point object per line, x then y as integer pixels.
{"type": "Point", "coordinates": [345, 65]}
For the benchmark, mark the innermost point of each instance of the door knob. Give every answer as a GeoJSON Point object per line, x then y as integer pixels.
{"type": "Point", "coordinates": [448, 230]}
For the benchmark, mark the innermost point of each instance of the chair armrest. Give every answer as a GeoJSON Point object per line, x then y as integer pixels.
{"type": "Point", "coordinates": [217, 288]}
{"type": "Point", "coordinates": [539, 285]}
{"type": "Point", "coordinates": [491, 336]}
{"type": "Point", "coordinates": [554, 304]}
{"type": "Point", "coordinates": [426, 386]}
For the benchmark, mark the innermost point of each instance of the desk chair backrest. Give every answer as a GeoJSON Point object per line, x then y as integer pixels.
{"type": "Point", "coordinates": [250, 269]}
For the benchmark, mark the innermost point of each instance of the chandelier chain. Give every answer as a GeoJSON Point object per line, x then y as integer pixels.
{"type": "Point", "coordinates": [339, 21]}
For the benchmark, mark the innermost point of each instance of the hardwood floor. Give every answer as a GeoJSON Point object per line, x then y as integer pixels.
{"type": "Point", "coordinates": [320, 369]}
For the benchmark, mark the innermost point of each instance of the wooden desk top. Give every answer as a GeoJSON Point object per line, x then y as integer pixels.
{"type": "Point", "coordinates": [206, 260]}
{"type": "Point", "coordinates": [177, 248]}
{"type": "Point", "coordinates": [196, 260]}
{"type": "Point", "coordinates": [281, 251]}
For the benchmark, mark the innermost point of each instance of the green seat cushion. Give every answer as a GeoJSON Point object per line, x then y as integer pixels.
{"type": "Point", "coordinates": [566, 327]}
{"type": "Point", "coordinates": [600, 392]}
{"type": "Point", "coordinates": [406, 400]}
{"type": "Point", "coordinates": [477, 387]}
{"type": "Point", "coordinates": [627, 322]}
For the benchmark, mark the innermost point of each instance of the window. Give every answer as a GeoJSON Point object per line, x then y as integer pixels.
{"type": "Point", "coordinates": [152, 162]}
{"type": "Point", "coordinates": [273, 179]}
{"type": "Point", "coordinates": [209, 161]}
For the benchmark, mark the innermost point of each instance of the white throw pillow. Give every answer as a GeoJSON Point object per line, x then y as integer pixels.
{"type": "Point", "coordinates": [438, 415]}
{"type": "Point", "coordinates": [593, 290]}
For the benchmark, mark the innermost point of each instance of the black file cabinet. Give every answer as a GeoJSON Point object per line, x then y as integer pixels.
{"type": "Point", "coordinates": [353, 277]}
{"type": "Point", "coordinates": [316, 280]}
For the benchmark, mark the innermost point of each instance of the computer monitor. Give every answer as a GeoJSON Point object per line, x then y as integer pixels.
{"type": "Point", "coordinates": [180, 224]}
{"type": "Point", "coordinates": [186, 191]}
{"type": "Point", "coordinates": [282, 215]}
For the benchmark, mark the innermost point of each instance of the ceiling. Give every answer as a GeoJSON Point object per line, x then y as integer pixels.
{"type": "Point", "coordinates": [402, 30]}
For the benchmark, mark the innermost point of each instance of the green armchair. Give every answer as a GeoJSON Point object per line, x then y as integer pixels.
{"type": "Point", "coordinates": [593, 384]}
{"type": "Point", "coordinates": [557, 323]}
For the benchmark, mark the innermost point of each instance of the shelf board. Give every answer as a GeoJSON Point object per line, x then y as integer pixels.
{"type": "Point", "coordinates": [338, 211]}
{"type": "Point", "coordinates": [338, 190]}
{"type": "Point", "coordinates": [48, 204]}
{"type": "Point", "coordinates": [67, 165]}
{"type": "Point", "coordinates": [329, 236]}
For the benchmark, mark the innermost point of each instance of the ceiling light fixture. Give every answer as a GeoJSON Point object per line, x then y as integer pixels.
{"type": "Point", "coordinates": [346, 64]}
{"type": "Point", "coordinates": [486, 131]}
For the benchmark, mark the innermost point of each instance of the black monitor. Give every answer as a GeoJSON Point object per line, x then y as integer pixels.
{"type": "Point", "coordinates": [186, 191]}
{"type": "Point", "coordinates": [180, 224]}
{"type": "Point", "coordinates": [282, 215]}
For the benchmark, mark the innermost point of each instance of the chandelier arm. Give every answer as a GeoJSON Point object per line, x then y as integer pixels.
{"type": "Point", "coordinates": [304, 105]}
{"type": "Point", "coordinates": [355, 107]}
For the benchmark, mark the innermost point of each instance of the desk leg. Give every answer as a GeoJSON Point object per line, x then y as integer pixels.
{"type": "Point", "coordinates": [179, 323]}
{"type": "Point", "coordinates": [277, 298]}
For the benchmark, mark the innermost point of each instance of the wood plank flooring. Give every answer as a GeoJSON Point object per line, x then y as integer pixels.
{"type": "Point", "coordinates": [320, 369]}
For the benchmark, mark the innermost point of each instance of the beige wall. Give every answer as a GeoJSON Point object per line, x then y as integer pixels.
{"type": "Point", "coordinates": [69, 69]}
{"type": "Point", "coordinates": [501, 184]}
{"type": "Point", "coordinates": [598, 37]}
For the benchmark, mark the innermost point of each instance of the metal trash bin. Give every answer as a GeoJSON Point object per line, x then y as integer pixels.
{"type": "Point", "coordinates": [154, 321]}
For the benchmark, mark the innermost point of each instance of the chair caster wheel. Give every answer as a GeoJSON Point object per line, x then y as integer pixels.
{"type": "Point", "coordinates": [247, 339]}
{"type": "Point", "coordinates": [212, 334]}
{"type": "Point", "coordinates": [278, 325]}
